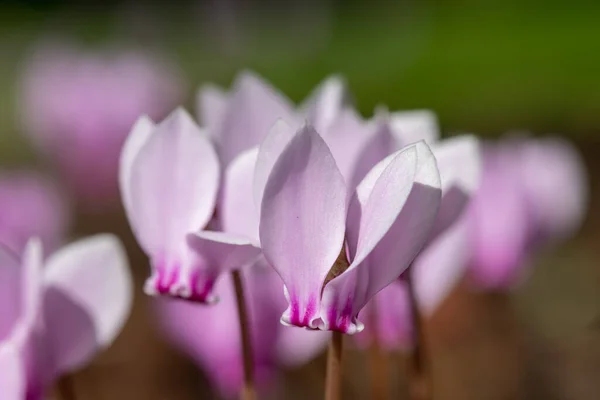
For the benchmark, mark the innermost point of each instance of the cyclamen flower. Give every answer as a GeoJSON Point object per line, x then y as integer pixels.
{"type": "Point", "coordinates": [533, 192]}
{"type": "Point", "coordinates": [31, 205]}
{"type": "Point", "coordinates": [169, 178]}
{"type": "Point", "coordinates": [310, 218]}
{"type": "Point", "coordinates": [444, 259]}
{"type": "Point", "coordinates": [78, 106]}
{"type": "Point", "coordinates": [170, 174]}
{"type": "Point", "coordinates": [56, 315]}
{"type": "Point", "coordinates": [218, 350]}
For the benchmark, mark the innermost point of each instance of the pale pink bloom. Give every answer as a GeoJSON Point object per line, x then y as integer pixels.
{"type": "Point", "coordinates": [309, 215]}
{"type": "Point", "coordinates": [534, 192]}
{"type": "Point", "coordinates": [78, 106]}
{"type": "Point", "coordinates": [57, 314]}
{"type": "Point", "coordinates": [217, 350]}
{"type": "Point", "coordinates": [443, 260]}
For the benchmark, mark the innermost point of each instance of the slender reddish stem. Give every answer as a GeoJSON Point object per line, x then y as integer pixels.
{"type": "Point", "coordinates": [333, 381]}
{"type": "Point", "coordinates": [420, 384]}
{"type": "Point", "coordinates": [249, 390]}
{"type": "Point", "coordinates": [66, 388]}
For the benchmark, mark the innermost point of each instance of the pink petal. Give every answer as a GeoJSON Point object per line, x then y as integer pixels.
{"type": "Point", "coordinates": [389, 221]}
{"type": "Point", "coordinates": [554, 180]}
{"type": "Point", "coordinates": [440, 266]}
{"type": "Point", "coordinates": [238, 214]}
{"type": "Point", "coordinates": [346, 138]}
{"type": "Point", "coordinates": [212, 105]}
{"type": "Point", "coordinates": [254, 107]}
{"type": "Point", "coordinates": [325, 103]}
{"type": "Point", "coordinates": [174, 183]}
{"type": "Point", "coordinates": [459, 163]}
{"type": "Point", "coordinates": [223, 250]}
{"type": "Point", "coordinates": [12, 373]}
{"type": "Point", "coordinates": [270, 149]}
{"type": "Point", "coordinates": [413, 126]}
{"type": "Point", "coordinates": [88, 298]}
{"type": "Point", "coordinates": [10, 292]}
{"type": "Point", "coordinates": [302, 222]}
{"type": "Point", "coordinates": [31, 292]}
{"type": "Point", "coordinates": [139, 135]}
{"type": "Point", "coordinates": [380, 145]}
{"type": "Point", "coordinates": [499, 222]}
{"type": "Point", "coordinates": [14, 346]}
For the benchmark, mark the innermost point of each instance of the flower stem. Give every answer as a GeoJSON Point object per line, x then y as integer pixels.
{"type": "Point", "coordinates": [378, 359]}
{"type": "Point", "coordinates": [66, 388]}
{"type": "Point", "coordinates": [420, 385]}
{"type": "Point", "coordinates": [333, 381]}
{"type": "Point", "coordinates": [248, 391]}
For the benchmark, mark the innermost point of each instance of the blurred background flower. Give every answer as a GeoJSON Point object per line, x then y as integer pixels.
{"type": "Point", "coordinates": [78, 105]}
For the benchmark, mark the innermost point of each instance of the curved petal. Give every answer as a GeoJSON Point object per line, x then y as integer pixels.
{"type": "Point", "coordinates": [499, 222]}
{"type": "Point", "coordinates": [174, 182]}
{"type": "Point", "coordinates": [389, 221]}
{"type": "Point", "coordinates": [237, 212]}
{"type": "Point", "coordinates": [10, 291]}
{"type": "Point", "coordinates": [440, 266]}
{"type": "Point", "coordinates": [30, 287]}
{"type": "Point", "coordinates": [381, 145]}
{"type": "Point", "coordinates": [269, 151]}
{"type": "Point", "coordinates": [212, 104]}
{"type": "Point", "coordinates": [139, 135]}
{"type": "Point", "coordinates": [412, 126]}
{"type": "Point", "coordinates": [555, 183]}
{"type": "Point", "coordinates": [88, 298]}
{"type": "Point", "coordinates": [346, 137]}
{"type": "Point", "coordinates": [220, 252]}
{"type": "Point", "coordinates": [12, 373]}
{"type": "Point", "coordinates": [302, 222]}
{"type": "Point", "coordinates": [324, 104]}
{"type": "Point", "coordinates": [13, 348]}
{"type": "Point", "coordinates": [253, 108]}
{"type": "Point", "coordinates": [459, 163]}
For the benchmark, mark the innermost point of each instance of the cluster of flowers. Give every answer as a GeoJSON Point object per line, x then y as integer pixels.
{"type": "Point", "coordinates": [327, 216]}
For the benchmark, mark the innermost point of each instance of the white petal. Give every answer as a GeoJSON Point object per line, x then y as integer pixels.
{"type": "Point", "coordinates": [88, 298]}
{"type": "Point", "coordinates": [138, 136]}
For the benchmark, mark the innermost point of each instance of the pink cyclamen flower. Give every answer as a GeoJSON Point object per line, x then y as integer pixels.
{"type": "Point", "coordinates": [31, 205]}
{"type": "Point", "coordinates": [169, 177]}
{"type": "Point", "coordinates": [444, 259]}
{"type": "Point", "coordinates": [309, 215]}
{"type": "Point", "coordinates": [78, 107]}
{"type": "Point", "coordinates": [533, 191]}
{"type": "Point", "coordinates": [218, 350]}
{"type": "Point", "coordinates": [57, 314]}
